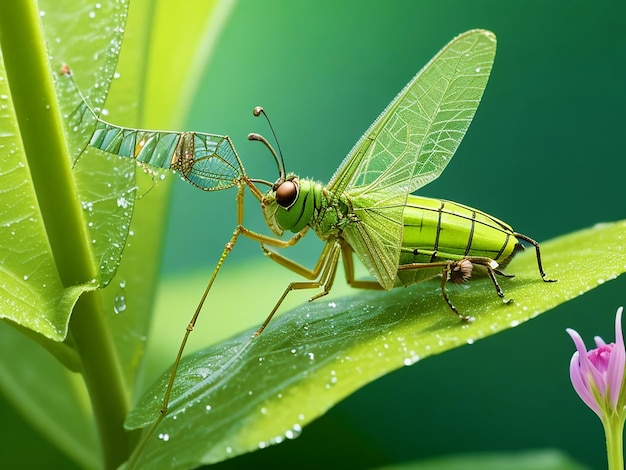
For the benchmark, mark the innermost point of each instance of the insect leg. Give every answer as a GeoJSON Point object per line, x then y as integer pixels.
{"type": "Point", "coordinates": [327, 279]}
{"type": "Point", "coordinates": [190, 326]}
{"type": "Point", "coordinates": [297, 267]}
{"type": "Point", "coordinates": [444, 280]}
{"type": "Point", "coordinates": [348, 266]}
{"type": "Point", "coordinates": [538, 251]}
{"type": "Point", "coordinates": [329, 263]}
{"type": "Point", "coordinates": [489, 264]}
{"type": "Point", "coordinates": [456, 270]}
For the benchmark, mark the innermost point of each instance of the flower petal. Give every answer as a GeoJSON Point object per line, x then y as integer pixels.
{"type": "Point", "coordinates": [580, 385]}
{"type": "Point", "coordinates": [582, 371]}
{"type": "Point", "coordinates": [617, 362]}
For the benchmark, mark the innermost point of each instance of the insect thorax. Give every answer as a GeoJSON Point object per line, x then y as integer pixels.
{"type": "Point", "coordinates": [316, 207]}
{"type": "Point", "coordinates": [332, 212]}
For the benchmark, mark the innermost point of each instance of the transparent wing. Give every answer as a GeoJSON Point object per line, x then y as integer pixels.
{"type": "Point", "coordinates": [209, 162]}
{"type": "Point", "coordinates": [409, 145]}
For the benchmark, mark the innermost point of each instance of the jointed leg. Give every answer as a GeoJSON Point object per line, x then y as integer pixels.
{"type": "Point", "coordinates": [297, 267]}
{"type": "Point", "coordinates": [459, 271]}
{"type": "Point", "coordinates": [538, 252]}
{"type": "Point", "coordinates": [328, 260]}
{"type": "Point", "coordinates": [348, 267]}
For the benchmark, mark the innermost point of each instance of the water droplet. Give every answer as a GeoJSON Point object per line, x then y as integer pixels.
{"type": "Point", "coordinates": [208, 407]}
{"type": "Point", "coordinates": [119, 304]}
{"type": "Point", "coordinates": [409, 361]}
{"type": "Point", "coordinates": [294, 432]}
{"type": "Point", "coordinates": [164, 437]}
{"type": "Point", "coordinates": [477, 69]}
{"type": "Point", "coordinates": [311, 356]}
{"type": "Point", "coordinates": [229, 450]}
{"type": "Point", "coordinates": [26, 277]}
{"type": "Point", "coordinates": [122, 284]}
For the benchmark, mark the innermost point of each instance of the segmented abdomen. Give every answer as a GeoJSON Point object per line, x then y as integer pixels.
{"type": "Point", "coordinates": [207, 161]}
{"type": "Point", "coordinates": [438, 230]}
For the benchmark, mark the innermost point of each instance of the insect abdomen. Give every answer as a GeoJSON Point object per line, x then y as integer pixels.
{"type": "Point", "coordinates": [437, 230]}
{"type": "Point", "coordinates": [152, 148]}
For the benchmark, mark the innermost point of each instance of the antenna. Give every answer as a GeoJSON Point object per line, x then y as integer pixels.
{"type": "Point", "coordinates": [258, 110]}
{"type": "Point", "coordinates": [279, 164]}
{"type": "Point", "coordinates": [65, 70]}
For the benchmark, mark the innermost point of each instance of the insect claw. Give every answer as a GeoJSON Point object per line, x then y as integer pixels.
{"type": "Point", "coordinates": [503, 274]}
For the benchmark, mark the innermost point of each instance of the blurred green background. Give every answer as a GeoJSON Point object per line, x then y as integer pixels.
{"type": "Point", "coordinates": [545, 153]}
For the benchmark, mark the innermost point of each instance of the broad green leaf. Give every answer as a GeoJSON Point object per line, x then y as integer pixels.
{"type": "Point", "coordinates": [87, 36]}
{"type": "Point", "coordinates": [43, 220]}
{"type": "Point", "coordinates": [57, 245]}
{"type": "Point", "coordinates": [242, 395]}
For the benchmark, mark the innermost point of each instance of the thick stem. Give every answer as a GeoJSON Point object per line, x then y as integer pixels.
{"type": "Point", "coordinates": [103, 378]}
{"type": "Point", "coordinates": [614, 431]}
{"type": "Point", "coordinates": [32, 92]}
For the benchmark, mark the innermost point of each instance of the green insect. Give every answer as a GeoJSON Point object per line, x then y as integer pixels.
{"type": "Point", "coordinates": [367, 208]}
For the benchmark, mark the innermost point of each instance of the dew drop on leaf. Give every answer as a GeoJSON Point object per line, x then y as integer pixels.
{"type": "Point", "coordinates": [119, 304]}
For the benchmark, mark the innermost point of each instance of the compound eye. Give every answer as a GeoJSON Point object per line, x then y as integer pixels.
{"type": "Point", "coordinates": [287, 193]}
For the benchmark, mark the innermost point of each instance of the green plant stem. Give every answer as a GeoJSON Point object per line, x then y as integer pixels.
{"type": "Point", "coordinates": [103, 377]}
{"type": "Point", "coordinates": [32, 92]}
{"type": "Point", "coordinates": [614, 432]}
{"type": "Point", "coordinates": [38, 116]}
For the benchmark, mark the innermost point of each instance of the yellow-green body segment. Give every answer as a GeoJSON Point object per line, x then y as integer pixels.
{"type": "Point", "coordinates": [438, 230]}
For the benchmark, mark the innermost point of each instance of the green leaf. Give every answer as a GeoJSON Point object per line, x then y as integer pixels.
{"type": "Point", "coordinates": [66, 206]}
{"type": "Point", "coordinates": [241, 395]}
{"type": "Point", "coordinates": [46, 258]}
{"type": "Point", "coordinates": [42, 192]}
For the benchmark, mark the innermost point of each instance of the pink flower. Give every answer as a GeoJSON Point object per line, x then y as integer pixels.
{"type": "Point", "coordinates": [598, 375]}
